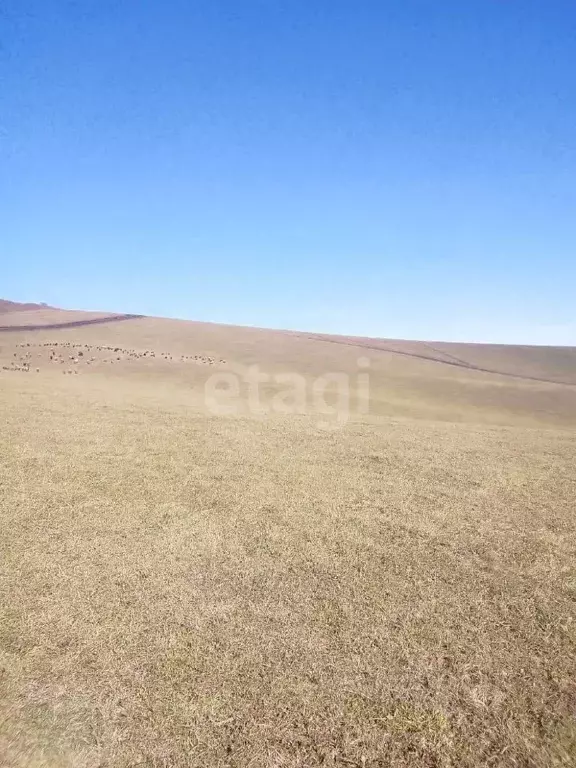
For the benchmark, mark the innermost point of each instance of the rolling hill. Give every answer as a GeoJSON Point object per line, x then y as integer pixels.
{"type": "Point", "coordinates": [233, 546]}
{"type": "Point", "coordinates": [18, 306]}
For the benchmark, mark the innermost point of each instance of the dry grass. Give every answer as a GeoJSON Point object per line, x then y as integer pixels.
{"type": "Point", "coordinates": [182, 589]}
{"type": "Point", "coordinates": [44, 316]}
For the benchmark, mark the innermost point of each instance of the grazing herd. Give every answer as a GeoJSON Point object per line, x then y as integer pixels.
{"type": "Point", "coordinates": [74, 357]}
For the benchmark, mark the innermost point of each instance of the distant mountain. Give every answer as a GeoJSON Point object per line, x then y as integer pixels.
{"type": "Point", "coordinates": [16, 306]}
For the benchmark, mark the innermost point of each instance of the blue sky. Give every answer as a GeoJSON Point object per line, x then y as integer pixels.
{"type": "Point", "coordinates": [401, 169]}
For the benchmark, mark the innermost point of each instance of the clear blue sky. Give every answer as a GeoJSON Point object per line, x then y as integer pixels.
{"type": "Point", "coordinates": [381, 167]}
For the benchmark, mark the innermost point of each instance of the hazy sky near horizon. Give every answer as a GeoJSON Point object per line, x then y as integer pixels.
{"type": "Point", "coordinates": [399, 168]}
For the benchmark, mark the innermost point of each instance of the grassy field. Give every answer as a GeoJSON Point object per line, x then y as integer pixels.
{"type": "Point", "coordinates": [181, 586]}
{"type": "Point", "coordinates": [45, 316]}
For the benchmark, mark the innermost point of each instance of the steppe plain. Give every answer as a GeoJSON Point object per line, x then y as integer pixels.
{"type": "Point", "coordinates": [185, 582]}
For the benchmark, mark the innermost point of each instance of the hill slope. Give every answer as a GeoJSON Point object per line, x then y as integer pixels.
{"type": "Point", "coordinates": [510, 385]}
{"type": "Point", "coordinates": [17, 306]}
{"type": "Point", "coordinates": [198, 567]}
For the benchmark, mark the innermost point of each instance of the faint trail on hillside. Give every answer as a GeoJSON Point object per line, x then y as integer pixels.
{"type": "Point", "coordinates": [70, 323]}
{"type": "Point", "coordinates": [454, 361]}
{"type": "Point", "coordinates": [465, 363]}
